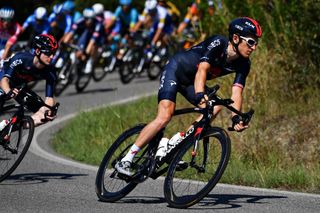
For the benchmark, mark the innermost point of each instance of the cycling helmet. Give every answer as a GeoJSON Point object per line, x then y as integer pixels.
{"type": "Point", "coordinates": [68, 6]}
{"type": "Point", "coordinates": [125, 2]}
{"type": "Point", "coordinates": [45, 43]}
{"type": "Point", "coordinates": [88, 13]}
{"type": "Point", "coordinates": [98, 8]}
{"type": "Point", "coordinates": [244, 26]}
{"type": "Point", "coordinates": [57, 9]}
{"type": "Point", "coordinates": [40, 13]}
{"type": "Point", "coordinates": [151, 4]}
{"type": "Point", "coordinates": [6, 13]}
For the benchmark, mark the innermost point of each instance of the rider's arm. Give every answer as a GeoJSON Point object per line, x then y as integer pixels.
{"type": "Point", "coordinates": [49, 101]}
{"type": "Point", "coordinates": [201, 77]}
{"type": "Point", "coordinates": [237, 97]}
{"type": "Point", "coordinates": [12, 40]}
{"type": "Point", "coordinates": [5, 86]}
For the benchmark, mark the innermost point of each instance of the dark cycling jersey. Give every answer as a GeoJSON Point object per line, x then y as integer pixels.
{"type": "Point", "coordinates": [20, 70]}
{"type": "Point", "coordinates": [179, 74]}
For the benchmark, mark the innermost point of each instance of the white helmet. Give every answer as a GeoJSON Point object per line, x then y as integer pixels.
{"type": "Point", "coordinates": [88, 13]}
{"type": "Point", "coordinates": [98, 8]}
{"type": "Point", "coordinates": [6, 12]}
{"type": "Point", "coordinates": [40, 13]}
{"type": "Point", "coordinates": [151, 4]}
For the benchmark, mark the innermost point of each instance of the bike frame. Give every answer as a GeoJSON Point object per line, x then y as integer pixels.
{"type": "Point", "coordinates": [193, 135]}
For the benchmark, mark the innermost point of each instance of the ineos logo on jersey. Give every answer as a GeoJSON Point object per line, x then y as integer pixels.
{"type": "Point", "coordinates": [15, 63]}
{"type": "Point", "coordinates": [249, 24]}
{"type": "Point", "coordinates": [172, 83]}
{"type": "Point", "coordinates": [213, 44]}
{"type": "Point", "coordinates": [162, 79]}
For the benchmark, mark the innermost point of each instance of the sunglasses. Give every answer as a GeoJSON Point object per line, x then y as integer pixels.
{"type": "Point", "coordinates": [250, 41]}
{"type": "Point", "coordinates": [48, 53]}
{"type": "Point", "coordinates": [6, 19]}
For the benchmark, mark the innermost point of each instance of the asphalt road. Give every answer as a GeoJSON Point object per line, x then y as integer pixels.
{"type": "Point", "coordinates": [46, 182]}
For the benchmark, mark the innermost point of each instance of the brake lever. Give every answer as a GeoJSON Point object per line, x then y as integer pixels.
{"type": "Point", "coordinates": [245, 117]}
{"type": "Point", "coordinates": [53, 109]}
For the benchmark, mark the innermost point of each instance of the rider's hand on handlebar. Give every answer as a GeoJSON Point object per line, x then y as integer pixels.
{"type": "Point", "coordinates": [201, 99]}
{"type": "Point", "coordinates": [13, 93]}
{"type": "Point", "coordinates": [49, 115]}
{"type": "Point", "coordinates": [238, 124]}
{"type": "Point", "coordinates": [240, 127]}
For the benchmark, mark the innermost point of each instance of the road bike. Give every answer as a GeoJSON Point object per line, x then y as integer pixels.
{"type": "Point", "coordinates": [16, 136]}
{"type": "Point", "coordinates": [193, 167]}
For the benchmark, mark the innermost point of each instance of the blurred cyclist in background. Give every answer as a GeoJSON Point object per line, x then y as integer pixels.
{"type": "Point", "coordinates": [60, 22]}
{"type": "Point", "coordinates": [36, 24]}
{"type": "Point", "coordinates": [90, 31]}
{"type": "Point", "coordinates": [9, 31]}
{"type": "Point", "coordinates": [160, 21]}
{"type": "Point", "coordinates": [69, 8]}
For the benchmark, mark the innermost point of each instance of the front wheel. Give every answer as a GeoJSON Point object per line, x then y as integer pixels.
{"type": "Point", "coordinates": [13, 150]}
{"type": "Point", "coordinates": [190, 178]}
{"type": "Point", "coordinates": [110, 186]}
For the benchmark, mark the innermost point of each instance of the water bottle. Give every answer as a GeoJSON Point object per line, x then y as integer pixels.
{"type": "Point", "coordinates": [3, 124]}
{"type": "Point", "coordinates": [162, 148]}
{"type": "Point", "coordinates": [175, 140]}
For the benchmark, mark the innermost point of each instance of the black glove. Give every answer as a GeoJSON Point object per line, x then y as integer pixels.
{"type": "Point", "coordinates": [199, 96]}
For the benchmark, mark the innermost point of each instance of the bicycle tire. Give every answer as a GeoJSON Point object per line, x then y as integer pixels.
{"type": "Point", "coordinates": [126, 72]}
{"type": "Point", "coordinates": [62, 84]}
{"type": "Point", "coordinates": [202, 182]}
{"type": "Point", "coordinates": [154, 70]}
{"type": "Point", "coordinates": [106, 173]}
{"type": "Point", "coordinates": [8, 161]}
{"type": "Point", "coordinates": [83, 79]}
{"type": "Point", "coordinates": [98, 72]}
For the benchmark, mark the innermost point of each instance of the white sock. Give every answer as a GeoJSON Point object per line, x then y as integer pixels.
{"type": "Point", "coordinates": [130, 155]}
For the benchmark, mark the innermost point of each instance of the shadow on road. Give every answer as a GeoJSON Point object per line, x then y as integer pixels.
{"type": "Point", "coordinates": [142, 200]}
{"type": "Point", "coordinates": [36, 178]}
{"type": "Point", "coordinates": [213, 201]}
{"type": "Point", "coordinates": [230, 201]}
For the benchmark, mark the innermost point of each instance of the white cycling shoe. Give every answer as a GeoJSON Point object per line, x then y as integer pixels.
{"type": "Point", "coordinates": [124, 167]}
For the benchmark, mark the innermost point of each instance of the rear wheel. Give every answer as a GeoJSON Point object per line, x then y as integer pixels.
{"type": "Point", "coordinates": [64, 78]}
{"type": "Point", "coordinates": [110, 186]}
{"type": "Point", "coordinates": [187, 180]}
{"type": "Point", "coordinates": [14, 149]}
{"type": "Point", "coordinates": [99, 73]}
{"type": "Point", "coordinates": [83, 78]}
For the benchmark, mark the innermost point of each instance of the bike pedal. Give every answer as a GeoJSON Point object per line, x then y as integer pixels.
{"type": "Point", "coordinates": [182, 165]}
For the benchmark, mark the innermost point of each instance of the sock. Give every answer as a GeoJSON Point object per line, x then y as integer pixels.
{"type": "Point", "coordinates": [130, 155]}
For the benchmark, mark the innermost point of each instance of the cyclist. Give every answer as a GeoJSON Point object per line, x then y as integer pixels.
{"type": "Point", "coordinates": [98, 9]}
{"type": "Point", "coordinates": [60, 22]}
{"type": "Point", "coordinates": [9, 31]}
{"type": "Point", "coordinates": [36, 24]}
{"type": "Point", "coordinates": [161, 26]}
{"type": "Point", "coordinates": [188, 71]}
{"type": "Point", "coordinates": [194, 16]}
{"type": "Point", "coordinates": [69, 8]}
{"type": "Point", "coordinates": [123, 22]}
{"type": "Point", "coordinates": [24, 67]}
{"type": "Point", "coordinates": [90, 30]}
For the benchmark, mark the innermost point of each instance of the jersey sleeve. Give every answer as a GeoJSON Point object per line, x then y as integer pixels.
{"type": "Point", "coordinates": [117, 13]}
{"type": "Point", "coordinates": [50, 83]}
{"type": "Point", "coordinates": [133, 17]}
{"type": "Point", "coordinates": [242, 72]}
{"type": "Point", "coordinates": [27, 22]}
